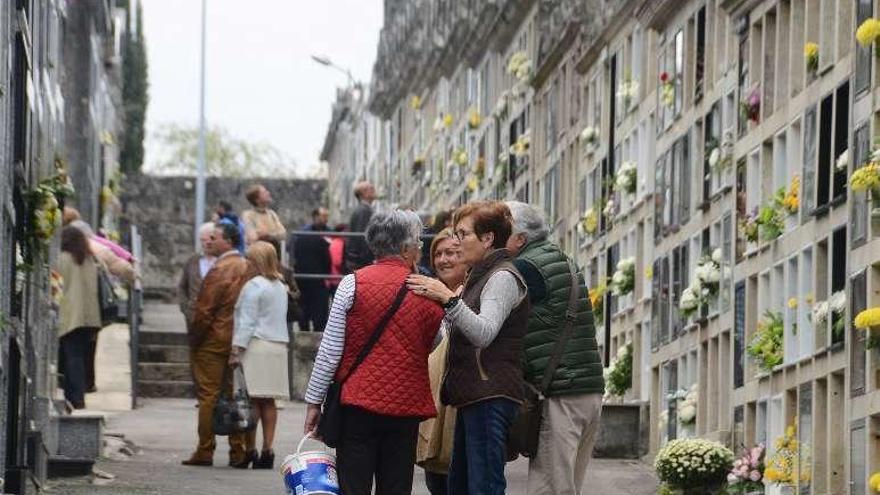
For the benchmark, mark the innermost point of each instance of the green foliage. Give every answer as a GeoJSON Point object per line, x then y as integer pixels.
{"type": "Point", "coordinates": [135, 97]}
{"type": "Point", "coordinates": [225, 154]}
{"type": "Point", "coordinates": [766, 346]}
{"type": "Point", "coordinates": [619, 377]}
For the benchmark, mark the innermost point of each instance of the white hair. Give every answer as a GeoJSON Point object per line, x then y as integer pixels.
{"type": "Point", "coordinates": [528, 220]}
{"type": "Point", "coordinates": [389, 233]}
{"type": "Point", "coordinates": [207, 228]}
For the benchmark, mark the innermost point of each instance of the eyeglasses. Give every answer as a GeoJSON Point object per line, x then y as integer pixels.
{"type": "Point", "coordinates": [460, 234]}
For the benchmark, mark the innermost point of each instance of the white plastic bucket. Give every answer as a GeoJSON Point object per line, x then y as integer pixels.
{"type": "Point", "coordinates": [310, 473]}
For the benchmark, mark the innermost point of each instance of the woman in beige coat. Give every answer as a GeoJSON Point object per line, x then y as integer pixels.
{"type": "Point", "coordinates": [435, 435]}
{"type": "Point", "coordinates": [80, 314]}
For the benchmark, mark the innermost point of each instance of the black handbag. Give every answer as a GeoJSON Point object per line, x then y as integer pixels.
{"type": "Point", "coordinates": [524, 432]}
{"type": "Point", "coordinates": [233, 413]}
{"type": "Point", "coordinates": [108, 301]}
{"type": "Point", "coordinates": [330, 424]}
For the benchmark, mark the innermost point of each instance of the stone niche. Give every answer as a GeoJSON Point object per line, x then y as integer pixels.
{"type": "Point", "coordinates": [163, 209]}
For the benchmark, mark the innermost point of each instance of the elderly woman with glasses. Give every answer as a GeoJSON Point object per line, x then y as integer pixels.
{"type": "Point", "coordinates": [386, 397]}
{"type": "Point", "coordinates": [488, 320]}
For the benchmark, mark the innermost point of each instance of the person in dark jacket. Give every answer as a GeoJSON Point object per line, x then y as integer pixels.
{"type": "Point", "coordinates": [484, 379]}
{"type": "Point", "coordinates": [357, 253]}
{"type": "Point", "coordinates": [574, 398]}
{"type": "Point", "coordinates": [312, 255]}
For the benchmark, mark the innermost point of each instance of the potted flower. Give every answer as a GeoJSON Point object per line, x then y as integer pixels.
{"type": "Point", "coordinates": [874, 482]}
{"type": "Point", "coordinates": [687, 406]}
{"type": "Point", "coordinates": [868, 33]}
{"type": "Point", "coordinates": [590, 138]}
{"type": "Point", "coordinates": [597, 302]}
{"type": "Point", "coordinates": [707, 280]}
{"type": "Point", "coordinates": [520, 148]}
{"type": "Point", "coordinates": [460, 157]}
{"type": "Point", "coordinates": [474, 119]}
{"type": "Point", "coordinates": [693, 466]}
{"type": "Point", "coordinates": [608, 210]}
{"type": "Point", "coordinates": [750, 106]}
{"type": "Point", "coordinates": [473, 184]}
{"type": "Point", "coordinates": [837, 310]}
{"type": "Point", "coordinates": [415, 102]}
{"type": "Point", "coordinates": [748, 472]}
{"type": "Point", "coordinates": [867, 179]}
{"type": "Point", "coordinates": [811, 56]}
{"type": "Point", "coordinates": [627, 91]}
{"type": "Point", "coordinates": [869, 321]}
{"type": "Point", "coordinates": [842, 163]}
{"type": "Point", "coordinates": [625, 180]}
{"type": "Point", "coordinates": [667, 89]}
{"type": "Point", "coordinates": [781, 467]}
{"type": "Point", "coordinates": [789, 200]}
{"type": "Point", "coordinates": [770, 221]}
{"type": "Point", "coordinates": [448, 120]}
{"type": "Point", "coordinates": [589, 222]}
{"type": "Point", "coordinates": [623, 280]}
{"type": "Point", "coordinates": [618, 375]}
{"type": "Point", "coordinates": [520, 66]}
{"type": "Point", "coordinates": [766, 346]}
{"type": "Point", "coordinates": [749, 226]}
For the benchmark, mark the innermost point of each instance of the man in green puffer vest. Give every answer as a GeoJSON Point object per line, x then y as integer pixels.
{"type": "Point", "coordinates": [574, 399]}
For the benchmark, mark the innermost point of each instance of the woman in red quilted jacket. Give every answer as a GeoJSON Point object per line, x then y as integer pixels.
{"type": "Point", "coordinates": [389, 394]}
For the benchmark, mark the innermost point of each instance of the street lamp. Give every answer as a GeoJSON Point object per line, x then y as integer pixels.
{"type": "Point", "coordinates": [200, 174]}
{"type": "Point", "coordinates": [326, 62]}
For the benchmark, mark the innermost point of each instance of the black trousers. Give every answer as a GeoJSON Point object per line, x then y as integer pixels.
{"type": "Point", "coordinates": [73, 355]}
{"type": "Point", "coordinates": [380, 447]}
{"type": "Point", "coordinates": [436, 483]}
{"type": "Point", "coordinates": [315, 301]}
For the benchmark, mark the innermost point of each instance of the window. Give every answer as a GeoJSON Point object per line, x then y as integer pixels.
{"type": "Point", "coordinates": [841, 138]}
{"type": "Point", "coordinates": [739, 336]}
{"type": "Point", "coordinates": [809, 178]}
{"type": "Point", "coordinates": [805, 325]}
{"type": "Point", "coordinates": [726, 261]}
{"type": "Point", "coordinates": [864, 54]}
{"type": "Point", "coordinates": [858, 303]}
{"type": "Point", "coordinates": [859, 213]}
{"type": "Point", "coordinates": [679, 71]}
{"type": "Point", "coordinates": [660, 300]}
{"type": "Point", "coordinates": [768, 81]}
{"type": "Point", "coordinates": [700, 62]}
{"type": "Point", "coordinates": [858, 457]}
{"type": "Point", "coordinates": [805, 436]}
{"type": "Point", "coordinates": [742, 78]}
{"type": "Point", "coordinates": [838, 280]}
{"type": "Point", "coordinates": [823, 176]}
{"type": "Point", "coordinates": [826, 35]}
{"type": "Point", "coordinates": [680, 277]}
{"type": "Point", "coordinates": [551, 200]}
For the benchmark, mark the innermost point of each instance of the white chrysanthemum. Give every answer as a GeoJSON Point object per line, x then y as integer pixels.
{"type": "Point", "coordinates": [842, 161]}
{"type": "Point", "coordinates": [714, 157]}
{"type": "Point", "coordinates": [837, 303]}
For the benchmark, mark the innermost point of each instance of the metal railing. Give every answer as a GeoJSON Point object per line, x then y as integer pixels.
{"type": "Point", "coordinates": [135, 312]}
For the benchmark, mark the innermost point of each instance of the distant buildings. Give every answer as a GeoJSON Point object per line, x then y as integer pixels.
{"type": "Point", "coordinates": [59, 99]}
{"type": "Point", "coordinates": [705, 144]}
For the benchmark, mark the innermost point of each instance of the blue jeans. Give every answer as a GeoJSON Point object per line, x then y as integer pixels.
{"type": "Point", "coordinates": [479, 451]}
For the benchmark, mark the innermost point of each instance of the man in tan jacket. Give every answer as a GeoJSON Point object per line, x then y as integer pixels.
{"type": "Point", "coordinates": [211, 340]}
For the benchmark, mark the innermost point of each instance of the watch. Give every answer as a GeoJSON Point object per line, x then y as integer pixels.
{"type": "Point", "coordinates": [451, 302]}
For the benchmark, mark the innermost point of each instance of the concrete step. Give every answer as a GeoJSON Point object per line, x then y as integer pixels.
{"type": "Point", "coordinates": [175, 372]}
{"type": "Point", "coordinates": [166, 389]}
{"type": "Point", "coordinates": [158, 353]}
{"type": "Point", "coordinates": [163, 338]}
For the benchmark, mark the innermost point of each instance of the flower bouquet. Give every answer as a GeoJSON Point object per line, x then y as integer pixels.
{"type": "Point", "coordinates": [609, 209]}
{"type": "Point", "coordinates": [789, 200]}
{"type": "Point", "coordinates": [460, 157]}
{"type": "Point", "coordinates": [474, 119]}
{"type": "Point", "coordinates": [842, 162]}
{"type": "Point", "coordinates": [868, 33]}
{"type": "Point", "coordinates": [687, 407]}
{"type": "Point", "coordinates": [589, 222]}
{"type": "Point", "coordinates": [618, 375]}
{"type": "Point", "coordinates": [811, 56]}
{"type": "Point", "coordinates": [770, 221]}
{"type": "Point", "coordinates": [520, 66]}
{"type": "Point", "coordinates": [590, 138]}
{"type": "Point", "coordinates": [624, 278]}
{"type": "Point", "coordinates": [781, 468]}
{"type": "Point", "coordinates": [625, 180]}
{"type": "Point", "coordinates": [707, 278]}
{"type": "Point", "coordinates": [627, 91]}
{"type": "Point", "coordinates": [766, 346]}
{"type": "Point", "coordinates": [874, 482]}
{"type": "Point", "coordinates": [751, 105]}
{"type": "Point", "coordinates": [667, 89]}
{"type": "Point", "coordinates": [869, 321]}
{"type": "Point", "coordinates": [597, 302]}
{"type": "Point", "coordinates": [749, 226]}
{"type": "Point", "coordinates": [748, 472]}
{"type": "Point", "coordinates": [693, 465]}
{"type": "Point", "coordinates": [521, 147]}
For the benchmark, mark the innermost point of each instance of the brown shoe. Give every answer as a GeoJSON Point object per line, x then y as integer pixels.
{"type": "Point", "coordinates": [198, 461]}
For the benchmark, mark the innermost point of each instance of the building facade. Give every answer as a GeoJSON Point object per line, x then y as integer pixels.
{"type": "Point", "coordinates": [38, 116]}
{"type": "Point", "coordinates": [695, 157]}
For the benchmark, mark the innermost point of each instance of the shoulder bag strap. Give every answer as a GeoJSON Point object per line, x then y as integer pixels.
{"type": "Point", "coordinates": [570, 316]}
{"type": "Point", "coordinates": [380, 328]}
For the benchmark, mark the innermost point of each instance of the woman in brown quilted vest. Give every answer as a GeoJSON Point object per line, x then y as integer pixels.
{"type": "Point", "coordinates": [487, 319]}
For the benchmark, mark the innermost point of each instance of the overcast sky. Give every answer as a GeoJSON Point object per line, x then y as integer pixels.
{"type": "Point", "coordinates": [261, 83]}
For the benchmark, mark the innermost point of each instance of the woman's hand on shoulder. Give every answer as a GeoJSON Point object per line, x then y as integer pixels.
{"type": "Point", "coordinates": [429, 287]}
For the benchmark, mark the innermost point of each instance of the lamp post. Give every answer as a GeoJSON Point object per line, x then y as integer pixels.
{"type": "Point", "coordinates": [326, 62]}
{"type": "Point", "coordinates": [200, 173]}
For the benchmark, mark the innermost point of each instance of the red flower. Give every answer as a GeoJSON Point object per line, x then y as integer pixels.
{"type": "Point", "coordinates": [664, 76]}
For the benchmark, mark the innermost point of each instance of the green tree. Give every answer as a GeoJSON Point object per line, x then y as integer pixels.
{"type": "Point", "coordinates": [135, 95]}
{"type": "Point", "coordinates": [177, 151]}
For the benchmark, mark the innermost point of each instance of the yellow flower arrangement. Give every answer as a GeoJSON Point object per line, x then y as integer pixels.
{"type": "Point", "coordinates": [521, 146]}
{"type": "Point", "coordinates": [460, 157]}
{"type": "Point", "coordinates": [472, 184]}
{"type": "Point", "coordinates": [865, 178]}
{"type": "Point", "coordinates": [867, 318]}
{"type": "Point", "coordinates": [415, 102]}
{"type": "Point", "coordinates": [589, 221]}
{"type": "Point", "coordinates": [793, 303]}
{"type": "Point", "coordinates": [649, 272]}
{"type": "Point", "coordinates": [782, 467]}
{"type": "Point", "coordinates": [790, 200]}
{"type": "Point", "coordinates": [811, 55]}
{"type": "Point", "coordinates": [448, 120]}
{"type": "Point", "coordinates": [868, 32]}
{"type": "Point", "coordinates": [596, 294]}
{"type": "Point", "coordinates": [874, 482]}
{"type": "Point", "coordinates": [474, 119]}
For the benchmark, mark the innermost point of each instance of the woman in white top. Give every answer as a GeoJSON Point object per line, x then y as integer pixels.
{"type": "Point", "coordinates": [259, 344]}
